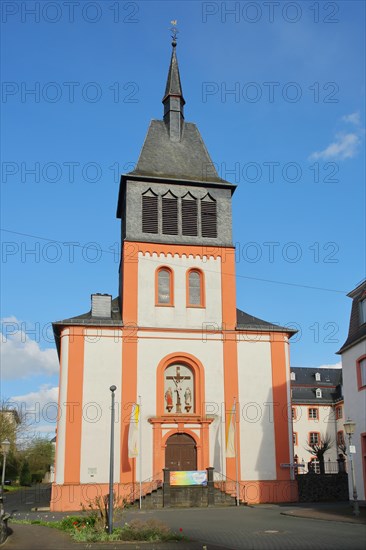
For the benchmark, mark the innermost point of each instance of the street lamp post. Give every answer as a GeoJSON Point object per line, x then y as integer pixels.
{"type": "Point", "coordinates": [349, 428]}
{"type": "Point", "coordinates": [111, 466]}
{"type": "Point", "coordinates": [5, 446]}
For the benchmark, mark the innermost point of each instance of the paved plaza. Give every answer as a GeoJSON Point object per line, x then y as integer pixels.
{"type": "Point", "coordinates": [319, 527]}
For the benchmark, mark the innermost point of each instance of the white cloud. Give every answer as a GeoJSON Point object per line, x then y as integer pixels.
{"type": "Point", "coordinates": [345, 146]}
{"type": "Point", "coordinates": [333, 366]}
{"type": "Point", "coordinates": [22, 357]}
{"type": "Point", "coordinates": [39, 409]}
{"type": "Point", "coordinates": [353, 118]}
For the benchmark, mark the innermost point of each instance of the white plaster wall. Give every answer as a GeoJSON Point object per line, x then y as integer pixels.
{"type": "Point", "coordinates": [61, 424]}
{"type": "Point", "coordinates": [325, 425]}
{"type": "Point", "coordinates": [102, 368]}
{"type": "Point", "coordinates": [257, 438]}
{"type": "Point", "coordinates": [178, 316]}
{"type": "Point", "coordinates": [288, 388]}
{"type": "Point", "coordinates": [151, 350]}
{"type": "Point", "coordinates": [355, 408]}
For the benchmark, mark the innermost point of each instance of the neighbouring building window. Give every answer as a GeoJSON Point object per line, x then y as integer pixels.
{"type": "Point", "coordinates": [293, 412]}
{"type": "Point", "coordinates": [340, 438]}
{"type": "Point", "coordinates": [363, 311]}
{"type": "Point", "coordinates": [164, 291]}
{"type": "Point", "coordinates": [195, 288]}
{"type": "Point", "coordinates": [293, 376]}
{"type": "Point", "coordinates": [314, 438]}
{"type": "Point", "coordinates": [314, 414]}
{"type": "Point", "coordinates": [339, 412]}
{"type": "Point", "coordinates": [294, 438]}
{"type": "Point", "coordinates": [318, 393]}
{"type": "Point", "coordinates": [362, 372]}
{"type": "Point", "coordinates": [314, 465]}
{"type": "Point", "coordinates": [317, 376]}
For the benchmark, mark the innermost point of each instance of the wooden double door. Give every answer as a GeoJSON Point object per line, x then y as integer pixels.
{"type": "Point", "coordinates": [181, 453]}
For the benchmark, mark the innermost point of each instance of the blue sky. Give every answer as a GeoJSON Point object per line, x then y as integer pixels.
{"type": "Point", "coordinates": [277, 91]}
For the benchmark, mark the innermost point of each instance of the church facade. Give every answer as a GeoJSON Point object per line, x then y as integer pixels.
{"type": "Point", "coordinates": [212, 382]}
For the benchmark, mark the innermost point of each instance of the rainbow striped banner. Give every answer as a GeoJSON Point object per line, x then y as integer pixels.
{"type": "Point", "coordinates": [194, 477]}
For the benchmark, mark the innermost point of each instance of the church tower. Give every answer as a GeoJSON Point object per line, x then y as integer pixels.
{"type": "Point", "coordinates": [174, 341]}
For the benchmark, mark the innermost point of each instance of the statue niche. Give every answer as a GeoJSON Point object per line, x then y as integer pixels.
{"type": "Point", "coordinates": [178, 389]}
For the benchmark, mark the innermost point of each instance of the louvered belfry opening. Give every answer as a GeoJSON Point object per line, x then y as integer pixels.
{"type": "Point", "coordinates": [208, 217]}
{"type": "Point", "coordinates": [170, 214]}
{"type": "Point", "coordinates": [150, 212]}
{"type": "Point", "coordinates": [189, 216]}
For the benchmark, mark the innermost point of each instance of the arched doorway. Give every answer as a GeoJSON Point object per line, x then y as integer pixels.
{"type": "Point", "coordinates": [181, 453]}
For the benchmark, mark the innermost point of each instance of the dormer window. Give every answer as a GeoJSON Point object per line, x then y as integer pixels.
{"type": "Point", "coordinates": [318, 393]}
{"type": "Point", "coordinates": [317, 376]}
{"type": "Point", "coordinates": [293, 376]}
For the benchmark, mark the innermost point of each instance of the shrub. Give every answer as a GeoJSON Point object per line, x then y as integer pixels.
{"type": "Point", "coordinates": [25, 475]}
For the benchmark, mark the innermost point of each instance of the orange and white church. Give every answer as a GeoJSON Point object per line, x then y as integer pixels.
{"type": "Point", "coordinates": [174, 341]}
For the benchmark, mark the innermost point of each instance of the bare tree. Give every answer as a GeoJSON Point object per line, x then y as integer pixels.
{"type": "Point", "coordinates": [319, 449]}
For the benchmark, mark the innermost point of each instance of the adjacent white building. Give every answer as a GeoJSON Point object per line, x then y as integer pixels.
{"type": "Point", "coordinates": [317, 413]}
{"type": "Point", "coordinates": [353, 354]}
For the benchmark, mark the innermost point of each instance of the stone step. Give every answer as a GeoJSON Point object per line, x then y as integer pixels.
{"type": "Point", "coordinates": [155, 500]}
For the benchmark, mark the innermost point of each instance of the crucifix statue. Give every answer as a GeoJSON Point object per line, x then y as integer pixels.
{"type": "Point", "coordinates": [177, 379]}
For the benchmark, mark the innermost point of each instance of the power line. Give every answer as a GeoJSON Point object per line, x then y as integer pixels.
{"type": "Point", "coordinates": [310, 287]}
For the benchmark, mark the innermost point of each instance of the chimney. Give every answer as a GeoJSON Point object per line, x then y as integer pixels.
{"type": "Point", "coordinates": [101, 305]}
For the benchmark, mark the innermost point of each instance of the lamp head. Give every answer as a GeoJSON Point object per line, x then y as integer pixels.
{"type": "Point", "coordinates": [349, 426]}
{"type": "Point", "coordinates": [5, 446]}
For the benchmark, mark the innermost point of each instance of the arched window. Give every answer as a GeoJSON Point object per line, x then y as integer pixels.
{"type": "Point", "coordinates": [179, 389]}
{"type": "Point", "coordinates": [164, 295]}
{"type": "Point", "coordinates": [195, 288]}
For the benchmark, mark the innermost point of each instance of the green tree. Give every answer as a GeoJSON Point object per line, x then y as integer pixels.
{"type": "Point", "coordinates": [39, 455]}
{"type": "Point", "coordinates": [25, 475]}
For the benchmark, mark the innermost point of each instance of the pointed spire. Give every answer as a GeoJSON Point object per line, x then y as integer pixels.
{"type": "Point", "coordinates": [173, 99]}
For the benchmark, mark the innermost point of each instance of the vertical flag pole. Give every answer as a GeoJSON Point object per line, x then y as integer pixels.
{"type": "Point", "coordinates": [236, 456]}
{"type": "Point", "coordinates": [111, 466]}
{"type": "Point", "coordinates": [140, 453]}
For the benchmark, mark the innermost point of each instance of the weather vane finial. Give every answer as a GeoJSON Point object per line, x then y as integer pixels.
{"type": "Point", "coordinates": [174, 32]}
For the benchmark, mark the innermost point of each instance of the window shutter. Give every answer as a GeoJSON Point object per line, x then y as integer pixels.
{"type": "Point", "coordinates": [170, 214]}
{"type": "Point", "coordinates": [150, 212]}
{"type": "Point", "coordinates": [208, 217]}
{"type": "Point", "coordinates": [189, 216]}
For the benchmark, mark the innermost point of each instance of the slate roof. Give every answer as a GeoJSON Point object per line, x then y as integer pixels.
{"type": "Point", "coordinates": [173, 83]}
{"type": "Point", "coordinates": [186, 160]}
{"type": "Point", "coordinates": [357, 331]}
{"type": "Point", "coordinates": [305, 385]}
{"type": "Point", "coordinates": [87, 319]}
{"type": "Point", "coordinates": [245, 321]}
